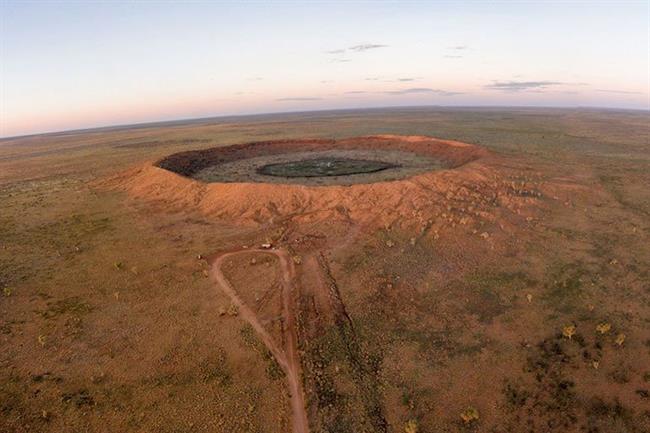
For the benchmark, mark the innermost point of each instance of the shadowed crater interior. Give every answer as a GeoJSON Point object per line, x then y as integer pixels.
{"type": "Point", "coordinates": [318, 167]}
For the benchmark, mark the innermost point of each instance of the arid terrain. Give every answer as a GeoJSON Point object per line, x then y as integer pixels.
{"type": "Point", "coordinates": [492, 276]}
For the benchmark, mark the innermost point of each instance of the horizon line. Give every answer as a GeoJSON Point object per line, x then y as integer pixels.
{"type": "Point", "coordinates": [181, 120]}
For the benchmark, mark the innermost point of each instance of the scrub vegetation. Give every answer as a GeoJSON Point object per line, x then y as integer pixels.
{"type": "Point", "coordinates": [517, 300]}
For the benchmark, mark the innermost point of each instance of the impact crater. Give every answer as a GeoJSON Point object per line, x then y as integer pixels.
{"type": "Point", "coordinates": [375, 179]}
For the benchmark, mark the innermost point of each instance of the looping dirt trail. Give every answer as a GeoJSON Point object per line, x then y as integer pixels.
{"type": "Point", "coordinates": [287, 357]}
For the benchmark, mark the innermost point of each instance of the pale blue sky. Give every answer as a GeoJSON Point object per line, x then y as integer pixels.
{"type": "Point", "coordinates": [69, 65]}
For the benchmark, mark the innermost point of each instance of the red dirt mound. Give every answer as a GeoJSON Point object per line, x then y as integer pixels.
{"type": "Point", "coordinates": [467, 190]}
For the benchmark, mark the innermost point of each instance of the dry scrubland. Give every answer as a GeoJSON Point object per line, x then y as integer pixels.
{"type": "Point", "coordinates": [529, 321]}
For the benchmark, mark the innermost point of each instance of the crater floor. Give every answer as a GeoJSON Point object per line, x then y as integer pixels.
{"type": "Point", "coordinates": [331, 167]}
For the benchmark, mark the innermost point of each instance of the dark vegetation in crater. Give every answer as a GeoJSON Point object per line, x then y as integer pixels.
{"type": "Point", "coordinates": [318, 167]}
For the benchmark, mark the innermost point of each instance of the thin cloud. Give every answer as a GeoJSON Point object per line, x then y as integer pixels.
{"type": "Point", "coordinates": [452, 56]}
{"type": "Point", "coordinates": [402, 80]}
{"type": "Point", "coordinates": [423, 90]}
{"type": "Point", "coordinates": [355, 92]}
{"type": "Point", "coordinates": [371, 79]}
{"type": "Point", "coordinates": [366, 47]}
{"type": "Point", "coordinates": [459, 47]}
{"type": "Point", "coordinates": [518, 86]}
{"type": "Point", "coordinates": [622, 92]}
{"type": "Point", "coordinates": [306, 98]}
{"type": "Point", "coordinates": [357, 48]}
{"type": "Point", "coordinates": [340, 60]}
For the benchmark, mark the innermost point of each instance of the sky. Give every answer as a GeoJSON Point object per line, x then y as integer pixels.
{"type": "Point", "coordinates": [75, 64]}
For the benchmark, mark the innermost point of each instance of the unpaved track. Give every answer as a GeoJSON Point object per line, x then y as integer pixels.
{"type": "Point", "coordinates": [287, 357]}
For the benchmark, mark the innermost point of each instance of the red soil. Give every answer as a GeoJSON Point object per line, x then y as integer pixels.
{"type": "Point", "coordinates": [287, 356]}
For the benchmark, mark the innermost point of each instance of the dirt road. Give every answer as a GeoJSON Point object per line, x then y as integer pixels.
{"type": "Point", "coordinates": [287, 357]}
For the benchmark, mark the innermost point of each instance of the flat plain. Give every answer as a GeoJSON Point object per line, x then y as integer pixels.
{"type": "Point", "coordinates": [518, 300]}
